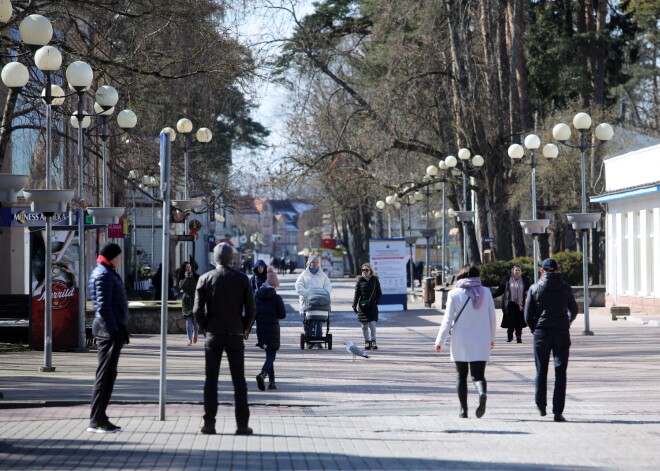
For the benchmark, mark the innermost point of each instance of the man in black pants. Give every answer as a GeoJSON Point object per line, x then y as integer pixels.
{"type": "Point", "coordinates": [108, 295]}
{"type": "Point", "coordinates": [220, 298]}
{"type": "Point", "coordinates": [549, 313]}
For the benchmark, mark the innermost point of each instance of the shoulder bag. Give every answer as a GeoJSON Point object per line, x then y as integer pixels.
{"type": "Point", "coordinates": [459, 315]}
{"type": "Point", "coordinates": [364, 303]}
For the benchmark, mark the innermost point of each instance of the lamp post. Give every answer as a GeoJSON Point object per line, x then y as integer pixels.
{"type": "Point", "coordinates": [203, 135]}
{"type": "Point", "coordinates": [583, 221]}
{"type": "Point", "coordinates": [380, 204]}
{"type": "Point", "coordinates": [433, 171]}
{"type": "Point", "coordinates": [149, 181]}
{"type": "Point", "coordinates": [534, 226]}
{"type": "Point", "coordinates": [466, 215]}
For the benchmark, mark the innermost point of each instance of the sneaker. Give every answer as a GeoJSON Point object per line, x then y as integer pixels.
{"type": "Point", "coordinates": [207, 430]}
{"type": "Point", "coordinates": [373, 345]}
{"type": "Point", "coordinates": [189, 342]}
{"type": "Point", "coordinates": [195, 338]}
{"type": "Point", "coordinates": [367, 344]}
{"type": "Point", "coordinates": [105, 428]}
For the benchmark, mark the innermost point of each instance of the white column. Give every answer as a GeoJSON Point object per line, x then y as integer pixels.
{"type": "Point", "coordinates": [630, 262]}
{"type": "Point", "coordinates": [655, 289]}
{"type": "Point", "coordinates": [643, 253]}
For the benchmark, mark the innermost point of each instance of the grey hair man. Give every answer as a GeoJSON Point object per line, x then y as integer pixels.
{"type": "Point", "coordinates": [224, 307]}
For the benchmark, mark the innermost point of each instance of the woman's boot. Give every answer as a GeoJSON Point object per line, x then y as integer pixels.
{"type": "Point", "coordinates": [481, 389]}
{"type": "Point", "coordinates": [367, 344]}
{"type": "Point", "coordinates": [462, 391]}
{"type": "Point", "coordinates": [271, 381]}
{"type": "Point", "coordinates": [261, 383]}
{"type": "Point", "coordinates": [373, 345]}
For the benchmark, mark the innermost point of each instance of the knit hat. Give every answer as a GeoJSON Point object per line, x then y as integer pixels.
{"type": "Point", "coordinates": [550, 265]}
{"type": "Point", "coordinates": [223, 254]}
{"type": "Point", "coordinates": [312, 258]}
{"type": "Point", "coordinates": [271, 277]}
{"type": "Point", "coordinates": [110, 250]}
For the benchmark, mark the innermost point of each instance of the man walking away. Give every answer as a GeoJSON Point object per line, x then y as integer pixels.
{"type": "Point", "coordinates": [549, 313]}
{"type": "Point", "coordinates": [108, 296]}
{"type": "Point", "coordinates": [220, 298]}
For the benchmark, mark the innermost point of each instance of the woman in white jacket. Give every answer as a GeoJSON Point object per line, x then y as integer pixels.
{"type": "Point", "coordinates": [470, 317]}
{"type": "Point", "coordinates": [311, 277]}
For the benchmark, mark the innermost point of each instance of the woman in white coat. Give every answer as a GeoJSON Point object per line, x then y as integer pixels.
{"type": "Point", "coordinates": [470, 317]}
{"type": "Point", "coordinates": [311, 277]}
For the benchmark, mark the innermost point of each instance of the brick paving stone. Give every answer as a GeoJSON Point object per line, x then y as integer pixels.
{"type": "Point", "coordinates": [395, 410]}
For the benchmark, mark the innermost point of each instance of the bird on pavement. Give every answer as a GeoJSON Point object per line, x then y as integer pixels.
{"type": "Point", "coordinates": [356, 351]}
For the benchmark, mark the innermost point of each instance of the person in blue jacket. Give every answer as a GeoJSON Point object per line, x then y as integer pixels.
{"type": "Point", "coordinates": [270, 309]}
{"type": "Point", "coordinates": [259, 276]}
{"type": "Point", "coordinates": [108, 296]}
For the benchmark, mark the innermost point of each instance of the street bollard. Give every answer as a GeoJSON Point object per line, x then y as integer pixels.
{"type": "Point", "coordinates": [428, 293]}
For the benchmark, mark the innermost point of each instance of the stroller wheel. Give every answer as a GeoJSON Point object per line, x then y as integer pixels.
{"type": "Point", "coordinates": [302, 341]}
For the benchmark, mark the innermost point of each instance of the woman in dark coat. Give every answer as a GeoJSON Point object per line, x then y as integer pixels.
{"type": "Point", "coordinates": [365, 304]}
{"type": "Point", "coordinates": [270, 309]}
{"type": "Point", "coordinates": [187, 280]}
{"type": "Point", "coordinates": [514, 287]}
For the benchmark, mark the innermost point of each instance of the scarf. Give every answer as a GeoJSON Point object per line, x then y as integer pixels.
{"type": "Point", "coordinates": [516, 290]}
{"type": "Point", "coordinates": [472, 287]}
{"type": "Point", "coordinates": [313, 271]}
{"type": "Point", "coordinates": [104, 261]}
{"type": "Point", "coordinates": [367, 277]}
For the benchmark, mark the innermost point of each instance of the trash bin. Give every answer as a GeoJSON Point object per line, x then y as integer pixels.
{"type": "Point", "coordinates": [428, 293]}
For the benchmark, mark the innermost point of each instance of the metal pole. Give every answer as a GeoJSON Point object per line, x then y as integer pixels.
{"type": "Point", "coordinates": [104, 139]}
{"type": "Point", "coordinates": [82, 277]}
{"type": "Point", "coordinates": [185, 191]}
{"type": "Point", "coordinates": [535, 254]}
{"type": "Point", "coordinates": [165, 152]}
{"type": "Point", "coordinates": [428, 226]}
{"type": "Point", "coordinates": [585, 241]}
{"type": "Point", "coordinates": [134, 238]}
{"type": "Point", "coordinates": [48, 300]}
{"type": "Point", "coordinates": [153, 229]}
{"type": "Point", "coordinates": [389, 225]}
{"type": "Point", "coordinates": [444, 230]}
{"type": "Point", "coordinates": [412, 272]}
{"type": "Point", "coordinates": [465, 208]}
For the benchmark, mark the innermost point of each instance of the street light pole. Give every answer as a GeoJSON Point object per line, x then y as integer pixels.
{"type": "Point", "coordinates": [583, 221]}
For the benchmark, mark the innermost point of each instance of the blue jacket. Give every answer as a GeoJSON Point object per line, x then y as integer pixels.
{"type": "Point", "coordinates": [258, 278]}
{"type": "Point", "coordinates": [108, 295]}
{"type": "Point", "coordinates": [270, 309]}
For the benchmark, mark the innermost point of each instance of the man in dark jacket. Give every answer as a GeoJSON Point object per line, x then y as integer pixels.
{"type": "Point", "coordinates": [220, 298]}
{"type": "Point", "coordinates": [549, 313]}
{"type": "Point", "coordinates": [108, 295]}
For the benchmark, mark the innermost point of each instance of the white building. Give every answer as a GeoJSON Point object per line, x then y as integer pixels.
{"type": "Point", "coordinates": [632, 198]}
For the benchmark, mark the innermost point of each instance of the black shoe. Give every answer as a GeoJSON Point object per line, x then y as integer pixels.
{"type": "Point", "coordinates": [243, 431]}
{"type": "Point", "coordinates": [105, 428]}
{"type": "Point", "coordinates": [518, 340]}
{"type": "Point", "coordinates": [559, 418]}
{"type": "Point", "coordinates": [207, 430]}
{"type": "Point", "coordinates": [367, 344]}
{"type": "Point", "coordinates": [541, 411]}
{"type": "Point", "coordinates": [463, 413]}
{"type": "Point", "coordinates": [260, 381]}
{"type": "Point", "coordinates": [509, 340]}
{"type": "Point", "coordinates": [373, 345]}
{"type": "Point", "coordinates": [271, 385]}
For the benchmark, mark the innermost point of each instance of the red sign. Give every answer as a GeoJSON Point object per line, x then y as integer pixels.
{"type": "Point", "coordinates": [116, 231]}
{"type": "Point", "coordinates": [328, 243]}
{"type": "Point", "coordinates": [194, 233]}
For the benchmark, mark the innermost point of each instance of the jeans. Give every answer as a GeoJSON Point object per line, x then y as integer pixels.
{"type": "Point", "coordinates": [109, 349]}
{"type": "Point", "coordinates": [235, 348]}
{"type": "Point", "coordinates": [557, 342]}
{"type": "Point", "coordinates": [191, 327]}
{"type": "Point", "coordinates": [269, 363]}
{"type": "Point", "coordinates": [369, 330]}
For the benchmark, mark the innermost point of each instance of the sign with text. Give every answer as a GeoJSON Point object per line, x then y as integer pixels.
{"type": "Point", "coordinates": [116, 231]}
{"type": "Point", "coordinates": [388, 258]}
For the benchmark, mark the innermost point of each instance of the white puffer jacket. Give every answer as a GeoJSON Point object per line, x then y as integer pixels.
{"type": "Point", "coordinates": [307, 280]}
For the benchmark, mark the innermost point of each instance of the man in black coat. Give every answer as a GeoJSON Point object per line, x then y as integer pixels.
{"type": "Point", "coordinates": [220, 298]}
{"type": "Point", "coordinates": [549, 312]}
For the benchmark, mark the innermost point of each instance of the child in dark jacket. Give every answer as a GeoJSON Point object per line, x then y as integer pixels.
{"type": "Point", "coordinates": [270, 309]}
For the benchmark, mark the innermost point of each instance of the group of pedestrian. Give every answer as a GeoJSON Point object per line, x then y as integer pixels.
{"type": "Point", "coordinates": [225, 305]}
{"type": "Point", "coordinates": [548, 307]}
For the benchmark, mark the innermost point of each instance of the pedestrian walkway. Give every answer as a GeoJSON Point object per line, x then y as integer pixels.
{"type": "Point", "coordinates": [395, 410]}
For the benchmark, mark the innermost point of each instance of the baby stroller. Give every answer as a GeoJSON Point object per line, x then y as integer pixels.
{"type": "Point", "coordinates": [316, 312]}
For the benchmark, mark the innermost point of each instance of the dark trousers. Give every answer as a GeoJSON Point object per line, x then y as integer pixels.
{"type": "Point", "coordinates": [233, 345]}
{"type": "Point", "coordinates": [477, 368]}
{"type": "Point", "coordinates": [269, 366]}
{"type": "Point", "coordinates": [109, 349]}
{"type": "Point", "coordinates": [557, 342]}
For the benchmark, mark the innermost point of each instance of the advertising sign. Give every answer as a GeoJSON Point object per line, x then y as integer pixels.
{"type": "Point", "coordinates": [65, 288]}
{"type": "Point", "coordinates": [388, 257]}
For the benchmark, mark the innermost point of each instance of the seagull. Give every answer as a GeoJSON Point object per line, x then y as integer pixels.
{"type": "Point", "coordinates": [350, 348]}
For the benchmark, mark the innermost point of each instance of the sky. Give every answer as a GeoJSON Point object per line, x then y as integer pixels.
{"type": "Point", "coordinates": [257, 28]}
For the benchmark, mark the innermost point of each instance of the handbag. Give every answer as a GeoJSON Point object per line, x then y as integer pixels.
{"type": "Point", "coordinates": [362, 303]}
{"type": "Point", "coordinates": [459, 315]}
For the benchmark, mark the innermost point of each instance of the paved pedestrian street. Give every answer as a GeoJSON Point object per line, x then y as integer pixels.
{"type": "Point", "coordinates": [396, 410]}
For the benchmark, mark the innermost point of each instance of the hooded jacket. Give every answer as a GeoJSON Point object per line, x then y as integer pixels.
{"type": "Point", "coordinates": [258, 279]}
{"type": "Point", "coordinates": [108, 296]}
{"type": "Point", "coordinates": [548, 304]}
{"type": "Point", "coordinates": [270, 309]}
